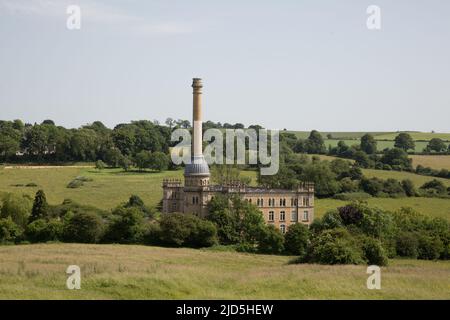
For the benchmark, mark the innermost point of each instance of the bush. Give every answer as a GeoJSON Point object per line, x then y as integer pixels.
{"type": "Point", "coordinates": [409, 188]}
{"type": "Point", "coordinates": [178, 229]}
{"type": "Point", "coordinates": [335, 247]}
{"type": "Point", "coordinates": [407, 245]}
{"type": "Point", "coordinates": [330, 220]}
{"type": "Point", "coordinates": [372, 186]}
{"type": "Point", "coordinates": [434, 187]}
{"type": "Point", "coordinates": [82, 227]}
{"type": "Point", "coordinates": [429, 247]}
{"type": "Point", "coordinates": [100, 165]}
{"type": "Point", "coordinates": [271, 240]}
{"type": "Point", "coordinates": [16, 207]}
{"type": "Point", "coordinates": [42, 231]}
{"type": "Point", "coordinates": [75, 184]}
{"type": "Point", "coordinates": [374, 252]}
{"type": "Point", "coordinates": [126, 226]}
{"type": "Point", "coordinates": [9, 231]}
{"type": "Point", "coordinates": [296, 239]}
{"type": "Point", "coordinates": [352, 196]}
{"type": "Point", "coordinates": [350, 214]}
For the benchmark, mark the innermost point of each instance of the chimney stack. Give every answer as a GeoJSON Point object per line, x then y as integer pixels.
{"type": "Point", "coordinates": [197, 118]}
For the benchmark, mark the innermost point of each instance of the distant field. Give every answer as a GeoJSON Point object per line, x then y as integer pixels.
{"type": "Point", "coordinates": [434, 161]}
{"type": "Point", "coordinates": [418, 180]}
{"type": "Point", "coordinates": [424, 136]}
{"type": "Point", "coordinates": [432, 207]}
{"type": "Point", "coordinates": [140, 272]}
{"type": "Point", "coordinates": [109, 187]}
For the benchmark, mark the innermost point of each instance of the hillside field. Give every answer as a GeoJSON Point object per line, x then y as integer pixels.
{"type": "Point", "coordinates": [141, 272]}
{"type": "Point", "coordinates": [110, 187]}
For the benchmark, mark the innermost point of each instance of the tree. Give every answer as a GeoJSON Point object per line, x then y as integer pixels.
{"type": "Point", "coordinates": [296, 239]}
{"type": "Point", "coordinates": [271, 240]}
{"type": "Point", "coordinates": [126, 226]}
{"type": "Point", "coordinates": [9, 231]}
{"type": "Point", "coordinates": [374, 252]}
{"type": "Point", "coordinates": [404, 141]}
{"type": "Point", "coordinates": [368, 144]}
{"type": "Point", "coordinates": [42, 230]}
{"type": "Point", "coordinates": [178, 229]}
{"type": "Point", "coordinates": [40, 206]}
{"type": "Point", "coordinates": [158, 161]}
{"type": "Point", "coordinates": [396, 157]}
{"type": "Point", "coordinates": [82, 227]}
{"type": "Point", "coordinates": [315, 143]}
{"type": "Point", "coordinates": [437, 145]}
{"type": "Point", "coordinates": [170, 122]}
{"type": "Point", "coordinates": [324, 179]}
{"type": "Point", "coordinates": [335, 246]}
{"type": "Point", "coordinates": [17, 207]}
{"type": "Point", "coordinates": [142, 159]}
{"type": "Point", "coordinates": [362, 159]}
{"type": "Point", "coordinates": [9, 140]}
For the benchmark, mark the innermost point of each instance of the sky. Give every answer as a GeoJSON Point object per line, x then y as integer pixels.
{"type": "Point", "coordinates": [292, 64]}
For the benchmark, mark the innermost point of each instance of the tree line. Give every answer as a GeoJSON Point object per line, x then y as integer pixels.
{"type": "Point", "coordinates": [352, 234]}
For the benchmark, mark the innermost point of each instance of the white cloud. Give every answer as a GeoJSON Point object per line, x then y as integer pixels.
{"type": "Point", "coordinates": [92, 11]}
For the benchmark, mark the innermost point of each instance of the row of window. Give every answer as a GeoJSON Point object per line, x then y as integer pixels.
{"type": "Point", "coordinates": [282, 202]}
{"type": "Point", "coordinates": [282, 216]}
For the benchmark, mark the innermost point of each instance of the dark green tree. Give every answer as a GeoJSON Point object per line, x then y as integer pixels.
{"type": "Point", "coordinates": [40, 207]}
{"type": "Point", "coordinates": [404, 141]}
{"type": "Point", "coordinates": [368, 144]}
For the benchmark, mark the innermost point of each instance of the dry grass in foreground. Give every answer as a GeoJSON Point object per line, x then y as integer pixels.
{"type": "Point", "coordinates": [140, 272]}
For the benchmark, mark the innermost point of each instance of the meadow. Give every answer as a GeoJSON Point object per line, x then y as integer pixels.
{"type": "Point", "coordinates": [142, 272]}
{"type": "Point", "coordinates": [384, 139]}
{"type": "Point", "coordinates": [110, 187]}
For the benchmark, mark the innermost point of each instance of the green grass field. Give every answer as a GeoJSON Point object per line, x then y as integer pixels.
{"type": "Point", "coordinates": [140, 272]}
{"type": "Point", "coordinates": [423, 136]}
{"type": "Point", "coordinates": [110, 187]}
{"type": "Point", "coordinates": [432, 207]}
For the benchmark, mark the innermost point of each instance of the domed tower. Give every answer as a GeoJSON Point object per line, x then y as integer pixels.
{"type": "Point", "coordinates": [196, 173]}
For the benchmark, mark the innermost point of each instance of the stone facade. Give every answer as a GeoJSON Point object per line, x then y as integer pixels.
{"type": "Point", "coordinates": [279, 207]}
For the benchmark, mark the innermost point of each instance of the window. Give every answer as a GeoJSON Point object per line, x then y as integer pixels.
{"type": "Point", "coordinates": [195, 200]}
{"type": "Point", "coordinates": [273, 202]}
{"type": "Point", "coordinates": [305, 216]}
{"type": "Point", "coordinates": [294, 216]}
{"type": "Point", "coordinates": [257, 202]}
{"type": "Point", "coordinates": [282, 216]}
{"type": "Point", "coordinates": [306, 202]}
{"type": "Point", "coordinates": [270, 215]}
{"type": "Point", "coordinates": [283, 228]}
{"type": "Point", "coordinates": [262, 202]}
{"type": "Point", "coordinates": [250, 201]}
{"type": "Point", "coordinates": [281, 202]}
{"type": "Point", "coordinates": [292, 202]}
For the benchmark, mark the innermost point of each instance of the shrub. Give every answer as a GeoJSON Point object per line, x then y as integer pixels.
{"type": "Point", "coordinates": [350, 214]}
{"type": "Point", "coordinates": [271, 240]}
{"type": "Point", "coordinates": [179, 229]}
{"type": "Point", "coordinates": [348, 185]}
{"type": "Point", "coordinates": [9, 231]}
{"type": "Point", "coordinates": [409, 188]}
{"type": "Point", "coordinates": [31, 184]}
{"type": "Point", "coordinates": [296, 239]}
{"type": "Point", "coordinates": [434, 187]}
{"type": "Point", "coordinates": [330, 220]}
{"type": "Point", "coordinates": [41, 230]}
{"type": "Point", "coordinates": [75, 184]}
{"type": "Point", "coordinates": [16, 207]}
{"type": "Point", "coordinates": [335, 247]}
{"type": "Point", "coordinates": [407, 245]}
{"type": "Point", "coordinates": [82, 227]}
{"type": "Point", "coordinates": [374, 252]}
{"type": "Point", "coordinates": [352, 196]}
{"type": "Point", "coordinates": [429, 247]}
{"type": "Point", "coordinates": [372, 186]}
{"type": "Point", "coordinates": [126, 226]}
{"type": "Point", "coordinates": [100, 165]}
